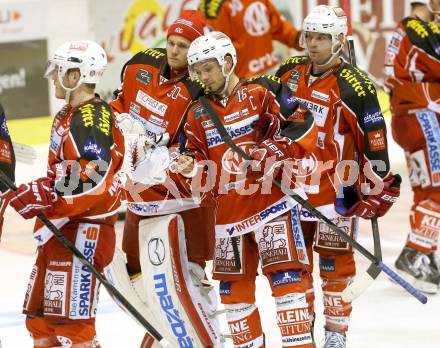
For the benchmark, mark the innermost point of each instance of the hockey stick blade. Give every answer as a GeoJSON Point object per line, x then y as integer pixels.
{"type": "Point", "coordinates": [69, 245]}
{"type": "Point", "coordinates": [362, 282]}
{"type": "Point", "coordinates": [24, 153]}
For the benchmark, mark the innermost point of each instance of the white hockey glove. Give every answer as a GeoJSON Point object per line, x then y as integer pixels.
{"type": "Point", "coordinates": [434, 106]}
{"type": "Point", "coordinates": [129, 125]}
{"type": "Point", "coordinates": [146, 156]}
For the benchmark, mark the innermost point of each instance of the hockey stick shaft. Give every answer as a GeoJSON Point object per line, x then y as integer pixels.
{"type": "Point", "coordinates": [360, 284]}
{"type": "Point", "coordinates": [345, 4]}
{"type": "Point", "coordinates": [228, 140]}
{"type": "Point", "coordinates": [69, 245]}
{"type": "Point", "coordinates": [399, 280]}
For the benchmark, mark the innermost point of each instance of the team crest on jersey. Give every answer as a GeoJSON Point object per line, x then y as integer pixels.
{"type": "Point", "coordinates": [144, 76]}
{"type": "Point", "coordinates": [232, 162]}
{"type": "Point", "coordinates": [305, 166]}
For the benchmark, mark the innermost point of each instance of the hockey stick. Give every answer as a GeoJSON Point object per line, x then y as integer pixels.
{"type": "Point", "coordinates": [228, 140]}
{"type": "Point", "coordinates": [110, 288]}
{"type": "Point", "coordinates": [362, 282]}
{"type": "Point", "coordinates": [24, 153]}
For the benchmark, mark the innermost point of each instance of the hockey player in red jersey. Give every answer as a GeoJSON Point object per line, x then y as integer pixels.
{"type": "Point", "coordinates": [154, 97]}
{"type": "Point", "coordinates": [160, 77]}
{"type": "Point", "coordinates": [263, 122]}
{"type": "Point", "coordinates": [412, 65]}
{"type": "Point", "coordinates": [79, 195]}
{"type": "Point", "coordinates": [7, 163]}
{"type": "Point", "coordinates": [252, 26]}
{"type": "Point", "coordinates": [351, 130]}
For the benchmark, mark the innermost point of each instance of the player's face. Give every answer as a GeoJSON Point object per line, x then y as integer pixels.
{"type": "Point", "coordinates": [70, 80]}
{"type": "Point", "coordinates": [435, 6]}
{"type": "Point", "coordinates": [177, 48]}
{"type": "Point", "coordinates": [60, 92]}
{"type": "Point", "coordinates": [210, 74]}
{"type": "Point", "coordinates": [319, 46]}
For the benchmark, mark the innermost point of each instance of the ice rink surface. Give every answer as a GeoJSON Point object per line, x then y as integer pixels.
{"type": "Point", "coordinates": [383, 317]}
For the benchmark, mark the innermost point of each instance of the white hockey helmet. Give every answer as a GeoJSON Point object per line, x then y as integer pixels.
{"type": "Point", "coordinates": [423, 2]}
{"type": "Point", "coordinates": [87, 56]}
{"type": "Point", "coordinates": [213, 45]}
{"type": "Point", "coordinates": [326, 19]}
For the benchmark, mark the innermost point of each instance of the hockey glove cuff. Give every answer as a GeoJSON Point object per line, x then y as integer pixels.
{"type": "Point", "coordinates": [33, 198]}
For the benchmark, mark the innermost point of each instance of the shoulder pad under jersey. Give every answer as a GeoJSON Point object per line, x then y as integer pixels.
{"type": "Point", "coordinates": [194, 87]}
{"type": "Point", "coordinates": [93, 119]}
{"type": "Point", "coordinates": [211, 8]}
{"type": "Point", "coordinates": [151, 56]}
{"type": "Point", "coordinates": [291, 63]}
{"type": "Point", "coordinates": [270, 82]}
{"type": "Point", "coordinates": [357, 90]}
{"type": "Point", "coordinates": [425, 35]}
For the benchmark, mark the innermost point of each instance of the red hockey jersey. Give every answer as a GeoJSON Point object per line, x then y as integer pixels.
{"type": "Point", "coordinates": [350, 125]}
{"type": "Point", "coordinates": [160, 104]}
{"type": "Point", "coordinates": [412, 65]}
{"type": "Point", "coordinates": [85, 154]}
{"type": "Point", "coordinates": [243, 204]}
{"type": "Point", "coordinates": [251, 25]}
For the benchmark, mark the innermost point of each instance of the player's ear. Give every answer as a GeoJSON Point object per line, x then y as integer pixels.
{"type": "Point", "coordinates": [229, 63]}
{"type": "Point", "coordinates": [341, 38]}
{"type": "Point", "coordinates": [73, 75]}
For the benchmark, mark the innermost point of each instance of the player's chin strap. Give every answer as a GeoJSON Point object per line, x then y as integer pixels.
{"type": "Point", "coordinates": [376, 261]}
{"type": "Point", "coordinates": [363, 281]}
{"type": "Point", "coordinates": [68, 90]}
{"type": "Point", "coordinates": [4, 179]}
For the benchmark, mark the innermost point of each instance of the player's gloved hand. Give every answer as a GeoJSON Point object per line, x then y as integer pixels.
{"type": "Point", "coordinates": [185, 165]}
{"type": "Point", "coordinates": [129, 125]}
{"type": "Point", "coordinates": [266, 127]}
{"type": "Point", "coordinates": [269, 156]}
{"type": "Point", "coordinates": [33, 198]}
{"type": "Point", "coordinates": [354, 203]}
